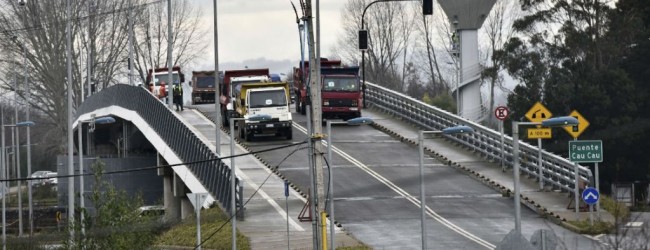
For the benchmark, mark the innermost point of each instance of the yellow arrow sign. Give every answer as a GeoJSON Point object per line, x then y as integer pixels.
{"type": "Point", "coordinates": [538, 113]}
{"type": "Point", "coordinates": [575, 131]}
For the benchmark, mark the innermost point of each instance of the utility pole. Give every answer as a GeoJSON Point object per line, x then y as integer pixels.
{"type": "Point", "coordinates": [170, 63]}
{"type": "Point", "coordinates": [316, 115]}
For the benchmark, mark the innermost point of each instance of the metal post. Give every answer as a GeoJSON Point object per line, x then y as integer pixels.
{"type": "Point", "coordinates": [423, 203]}
{"type": "Point", "coordinates": [515, 154]}
{"type": "Point", "coordinates": [597, 188]}
{"type": "Point", "coordinates": [130, 42]}
{"type": "Point", "coordinates": [217, 104]}
{"type": "Point", "coordinates": [331, 182]}
{"type": "Point", "coordinates": [503, 150]}
{"type": "Point", "coordinates": [286, 207]}
{"type": "Point", "coordinates": [312, 199]}
{"type": "Point", "coordinates": [170, 63]}
{"type": "Point", "coordinates": [17, 158]}
{"type": "Point", "coordinates": [233, 208]}
{"type": "Point", "coordinates": [540, 166]}
{"type": "Point", "coordinates": [29, 146]}
{"type": "Point", "coordinates": [81, 178]}
{"type": "Point", "coordinates": [70, 137]}
{"type": "Point", "coordinates": [4, 185]}
{"type": "Point", "coordinates": [197, 210]}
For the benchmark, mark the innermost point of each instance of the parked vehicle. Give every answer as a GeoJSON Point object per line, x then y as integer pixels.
{"type": "Point", "coordinates": [158, 80]}
{"type": "Point", "coordinates": [262, 98]}
{"type": "Point", "coordinates": [340, 89]}
{"type": "Point", "coordinates": [52, 179]}
{"type": "Point", "coordinates": [203, 87]}
{"type": "Point", "coordinates": [38, 174]}
{"type": "Point", "coordinates": [226, 93]}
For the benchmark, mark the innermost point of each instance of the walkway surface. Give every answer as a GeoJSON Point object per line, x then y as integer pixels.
{"type": "Point", "coordinates": [544, 202]}
{"type": "Point", "coordinates": [265, 220]}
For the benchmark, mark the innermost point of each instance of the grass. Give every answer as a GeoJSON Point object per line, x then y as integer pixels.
{"type": "Point", "coordinates": [618, 210]}
{"type": "Point", "coordinates": [215, 231]}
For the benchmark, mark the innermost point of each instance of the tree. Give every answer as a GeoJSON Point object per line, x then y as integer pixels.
{"type": "Point", "coordinates": [117, 223]}
{"type": "Point", "coordinates": [594, 62]}
{"type": "Point", "coordinates": [387, 27]}
{"type": "Point", "coordinates": [38, 30]}
{"type": "Point", "coordinates": [498, 29]}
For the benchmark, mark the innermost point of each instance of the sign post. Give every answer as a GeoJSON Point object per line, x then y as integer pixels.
{"type": "Point", "coordinates": [286, 206]}
{"type": "Point", "coordinates": [588, 151]}
{"type": "Point", "coordinates": [502, 113]}
{"type": "Point", "coordinates": [538, 113]}
{"type": "Point", "coordinates": [591, 197]}
{"type": "Point", "coordinates": [575, 131]}
{"type": "Point", "coordinates": [197, 200]}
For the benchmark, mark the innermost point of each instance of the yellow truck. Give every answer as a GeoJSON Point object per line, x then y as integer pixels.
{"type": "Point", "coordinates": [257, 96]}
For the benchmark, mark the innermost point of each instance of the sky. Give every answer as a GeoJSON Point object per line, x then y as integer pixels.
{"type": "Point", "coordinates": [262, 33]}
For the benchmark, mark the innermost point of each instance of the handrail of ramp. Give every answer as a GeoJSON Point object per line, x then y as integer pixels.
{"type": "Point", "coordinates": [557, 171]}
{"type": "Point", "coordinates": [213, 175]}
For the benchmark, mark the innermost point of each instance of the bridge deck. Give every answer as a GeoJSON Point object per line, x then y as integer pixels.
{"type": "Point", "coordinates": [488, 172]}
{"type": "Point", "coordinates": [265, 215]}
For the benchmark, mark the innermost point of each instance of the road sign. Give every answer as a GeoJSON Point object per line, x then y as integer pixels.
{"type": "Point", "coordinates": [538, 113]}
{"type": "Point", "coordinates": [575, 131]}
{"type": "Point", "coordinates": [58, 216]}
{"type": "Point", "coordinates": [586, 151]}
{"type": "Point", "coordinates": [501, 112]}
{"type": "Point", "coordinates": [539, 133]}
{"type": "Point", "coordinates": [590, 196]}
{"type": "Point", "coordinates": [197, 199]}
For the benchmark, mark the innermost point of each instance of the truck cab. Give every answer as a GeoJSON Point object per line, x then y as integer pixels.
{"type": "Point", "coordinates": [255, 95]}
{"type": "Point", "coordinates": [159, 82]}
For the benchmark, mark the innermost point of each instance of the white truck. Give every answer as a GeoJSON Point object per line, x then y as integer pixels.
{"type": "Point", "coordinates": [255, 97]}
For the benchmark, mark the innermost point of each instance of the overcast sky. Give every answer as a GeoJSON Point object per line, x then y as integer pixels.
{"type": "Point", "coordinates": [262, 33]}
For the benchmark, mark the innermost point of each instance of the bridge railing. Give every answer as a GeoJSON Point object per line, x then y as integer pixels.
{"type": "Point", "coordinates": [214, 175]}
{"type": "Point", "coordinates": [557, 171]}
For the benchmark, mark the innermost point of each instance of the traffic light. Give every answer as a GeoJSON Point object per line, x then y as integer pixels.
{"type": "Point", "coordinates": [427, 7]}
{"type": "Point", "coordinates": [363, 39]}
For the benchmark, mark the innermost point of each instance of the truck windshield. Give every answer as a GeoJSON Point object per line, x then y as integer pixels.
{"type": "Point", "coordinates": [341, 84]}
{"type": "Point", "coordinates": [165, 77]}
{"type": "Point", "coordinates": [236, 86]}
{"type": "Point", "coordinates": [268, 98]}
{"type": "Point", "coordinates": [205, 82]}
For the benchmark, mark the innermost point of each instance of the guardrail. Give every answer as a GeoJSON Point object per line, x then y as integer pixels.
{"type": "Point", "coordinates": [557, 171]}
{"type": "Point", "coordinates": [213, 175]}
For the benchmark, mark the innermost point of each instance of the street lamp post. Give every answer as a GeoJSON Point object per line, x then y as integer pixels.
{"type": "Point", "coordinates": [423, 205]}
{"type": "Point", "coordinates": [4, 177]}
{"type": "Point", "coordinates": [552, 122]}
{"type": "Point", "coordinates": [363, 51]}
{"type": "Point", "coordinates": [354, 121]}
{"type": "Point", "coordinates": [92, 122]}
{"type": "Point", "coordinates": [233, 190]}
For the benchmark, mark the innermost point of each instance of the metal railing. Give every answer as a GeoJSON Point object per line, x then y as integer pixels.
{"type": "Point", "coordinates": [557, 171]}
{"type": "Point", "coordinates": [213, 175]}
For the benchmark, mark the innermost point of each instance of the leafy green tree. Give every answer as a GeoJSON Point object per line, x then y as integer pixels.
{"type": "Point", "coordinates": [592, 57]}
{"type": "Point", "coordinates": [117, 222]}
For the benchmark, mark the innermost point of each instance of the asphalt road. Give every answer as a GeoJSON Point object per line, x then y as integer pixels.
{"type": "Point", "coordinates": [377, 190]}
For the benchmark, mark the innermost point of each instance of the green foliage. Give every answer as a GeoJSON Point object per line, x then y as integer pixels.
{"type": "Point", "coordinates": [212, 220]}
{"type": "Point", "coordinates": [595, 63]}
{"type": "Point", "coordinates": [117, 223]}
{"type": "Point", "coordinates": [599, 227]}
{"type": "Point", "coordinates": [618, 210]}
{"type": "Point", "coordinates": [442, 101]}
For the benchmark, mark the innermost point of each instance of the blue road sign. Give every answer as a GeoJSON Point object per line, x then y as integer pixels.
{"type": "Point", "coordinates": [590, 195]}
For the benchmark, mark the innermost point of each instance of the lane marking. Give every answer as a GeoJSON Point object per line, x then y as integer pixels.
{"type": "Point", "coordinates": [250, 182]}
{"type": "Point", "coordinates": [406, 195]}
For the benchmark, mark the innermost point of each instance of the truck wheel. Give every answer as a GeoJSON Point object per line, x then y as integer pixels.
{"type": "Point", "coordinates": [241, 132]}
{"type": "Point", "coordinates": [247, 135]}
{"type": "Point", "coordinates": [289, 134]}
{"type": "Point", "coordinates": [303, 108]}
{"type": "Point", "coordinates": [224, 120]}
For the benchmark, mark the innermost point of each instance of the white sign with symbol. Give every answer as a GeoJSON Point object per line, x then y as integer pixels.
{"type": "Point", "coordinates": [501, 112]}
